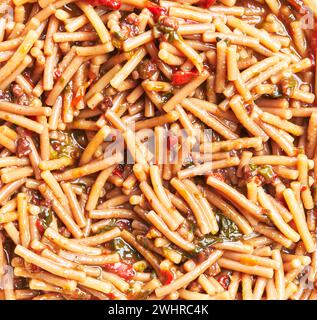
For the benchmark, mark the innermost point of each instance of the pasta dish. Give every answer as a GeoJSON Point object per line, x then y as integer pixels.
{"type": "Point", "coordinates": [158, 150]}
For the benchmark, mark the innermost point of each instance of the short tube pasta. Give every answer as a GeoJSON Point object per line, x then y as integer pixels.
{"type": "Point", "coordinates": [158, 150]}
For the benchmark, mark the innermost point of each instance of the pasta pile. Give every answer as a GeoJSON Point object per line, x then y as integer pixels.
{"type": "Point", "coordinates": [158, 150]}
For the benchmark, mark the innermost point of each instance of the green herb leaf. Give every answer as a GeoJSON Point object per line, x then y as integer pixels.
{"type": "Point", "coordinates": [253, 167]}
{"type": "Point", "coordinates": [228, 231]}
{"type": "Point", "coordinates": [266, 172]}
{"type": "Point", "coordinates": [165, 97]}
{"type": "Point", "coordinates": [71, 147]}
{"type": "Point", "coordinates": [124, 249]}
{"type": "Point", "coordinates": [46, 216]}
{"type": "Point", "coordinates": [171, 33]}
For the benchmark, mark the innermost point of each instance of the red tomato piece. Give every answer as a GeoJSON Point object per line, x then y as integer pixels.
{"type": "Point", "coordinates": [40, 226]}
{"type": "Point", "coordinates": [80, 93]}
{"type": "Point", "coordinates": [111, 296]}
{"type": "Point", "coordinates": [167, 275]}
{"type": "Point", "coordinates": [156, 10]}
{"type": "Point", "coordinates": [111, 4]}
{"type": "Point", "coordinates": [118, 171]}
{"type": "Point", "coordinates": [182, 77]}
{"type": "Point", "coordinates": [224, 281]}
{"type": "Point", "coordinates": [122, 269]}
{"type": "Point", "coordinates": [207, 3]}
